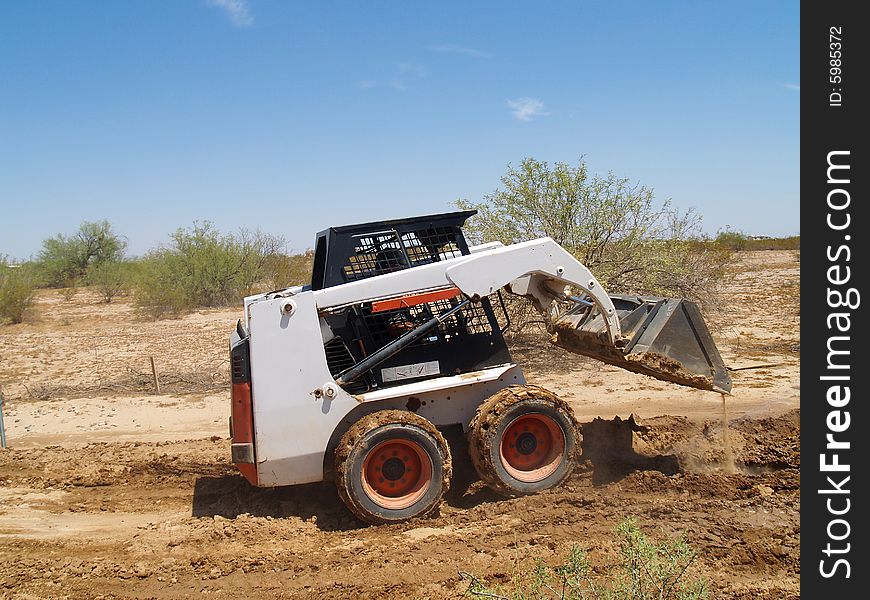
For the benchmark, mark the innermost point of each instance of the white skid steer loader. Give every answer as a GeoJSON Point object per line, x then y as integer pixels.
{"type": "Point", "coordinates": [399, 336]}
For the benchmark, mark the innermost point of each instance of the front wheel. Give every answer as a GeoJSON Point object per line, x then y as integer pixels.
{"type": "Point", "coordinates": [523, 440]}
{"type": "Point", "coordinates": [391, 466]}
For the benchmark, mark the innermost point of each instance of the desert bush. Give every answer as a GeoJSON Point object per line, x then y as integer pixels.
{"type": "Point", "coordinates": [733, 240]}
{"type": "Point", "coordinates": [203, 267]}
{"type": "Point", "coordinates": [17, 291]}
{"type": "Point", "coordinates": [631, 242]}
{"type": "Point", "coordinates": [65, 260]}
{"type": "Point", "coordinates": [286, 270]}
{"type": "Point", "coordinates": [645, 570]}
{"type": "Point", "coordinates": [110, 278]}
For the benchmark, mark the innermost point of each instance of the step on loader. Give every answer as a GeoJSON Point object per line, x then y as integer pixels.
{"type": "Point", "coordinates": [399, 338]}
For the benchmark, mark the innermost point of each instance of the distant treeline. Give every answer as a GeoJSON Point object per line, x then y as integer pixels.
{"type": "Point", "coordinates": [200, 267]}
{"type": "Point", "coordinates": [738, 241]}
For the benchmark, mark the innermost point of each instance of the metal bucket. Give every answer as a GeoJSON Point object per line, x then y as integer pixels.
{"type": "Point", "coordinates": [665, 338]}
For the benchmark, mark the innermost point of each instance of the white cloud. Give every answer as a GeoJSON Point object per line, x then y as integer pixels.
{"type": "Point", "coordinates": [366, 84]}
{"type": "Point", "coordinates": [457, 49]}
{"type": "Point", "coordinates": [792, 86]}
{"type": "Point", "coordinates": [236, 10]}
{"type": "Point", "coordinates": [526, 109]}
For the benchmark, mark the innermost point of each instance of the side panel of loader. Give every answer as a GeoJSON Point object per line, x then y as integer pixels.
{"type": "Point", "coordinates": [291, 425]}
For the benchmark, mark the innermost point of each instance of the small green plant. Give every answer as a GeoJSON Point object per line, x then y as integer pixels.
{"type": "Point", "coordinates": [650, 570]}
{"type": "Point", "coordinates": [17, 291]}
{"type": "Point", "coordinates": [646, 570]}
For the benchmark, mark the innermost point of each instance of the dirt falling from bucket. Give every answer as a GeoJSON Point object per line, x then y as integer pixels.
{"type": "Point", "coordinates": [728, 465]}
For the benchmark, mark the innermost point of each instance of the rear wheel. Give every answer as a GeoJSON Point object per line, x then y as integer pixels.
{"type": "Point", "coordinates": [391, 466]}
{"type": "Point", "coordinates": [523, 440]}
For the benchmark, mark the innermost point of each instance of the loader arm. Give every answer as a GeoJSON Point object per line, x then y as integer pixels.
{"type": "Point", "coordinates": [665, 338]}
{"type": "Point", "coordinates": [539, 269]}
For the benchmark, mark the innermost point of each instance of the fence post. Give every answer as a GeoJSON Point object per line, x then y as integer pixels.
{"type": "Point", "coordinates": [154, 374]}
{"type": "Point", "coordinates": [2, 426]}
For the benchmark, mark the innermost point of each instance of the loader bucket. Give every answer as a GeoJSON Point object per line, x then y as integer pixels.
{"type": "Point", "coordinates": [664, 338]}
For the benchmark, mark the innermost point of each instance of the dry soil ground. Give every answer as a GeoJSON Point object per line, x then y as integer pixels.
{"type": "Point", "coordinates": [111, 491]}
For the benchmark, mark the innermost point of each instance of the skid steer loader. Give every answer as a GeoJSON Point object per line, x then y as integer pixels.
{"type": "Point", "coordinates": [399, 336]}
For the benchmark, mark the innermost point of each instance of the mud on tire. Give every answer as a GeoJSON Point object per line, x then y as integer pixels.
{"type": "Point", "coordinates": [524, 439]}
{"type": "Point", "coordinates": [391, 466]}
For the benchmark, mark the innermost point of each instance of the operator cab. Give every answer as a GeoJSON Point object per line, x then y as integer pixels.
{"type": "Point", "coordinates": [470, 340]}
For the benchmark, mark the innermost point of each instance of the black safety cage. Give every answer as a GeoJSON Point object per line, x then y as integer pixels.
{"type": "Point", "coordinates": [469, 340]}
{"type": "Point", "coordinates": [353, 252]}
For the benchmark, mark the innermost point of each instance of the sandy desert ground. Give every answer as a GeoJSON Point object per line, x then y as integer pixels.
{"type": "Point", "coordinates": [109, 490]}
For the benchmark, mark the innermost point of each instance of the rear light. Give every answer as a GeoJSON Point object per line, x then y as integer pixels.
{"type": "Point", "coordinates": [242, 410]}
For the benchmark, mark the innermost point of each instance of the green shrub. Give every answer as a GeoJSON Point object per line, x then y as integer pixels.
{"type": "Point", "coordinates": [646, 570]}
{"type": "Point", "coordinates": [631, 242]}
{"type": "Point", "coordinates": [733, 240]}
{"type": "Point", "coordinates": [157, 291]}
{"type": "Point", "coordinates": [654, 570]}
{"type": "Point", "coordinates": [110, 278]}
{"type": "Point", "coordinates": [17, 291]}
{"type": "Point", "coordinates": [202, 267]}
{"type": "Point", "coordinates": [286, 270]}
{"type": "Point", "coordinates": [63, 260]}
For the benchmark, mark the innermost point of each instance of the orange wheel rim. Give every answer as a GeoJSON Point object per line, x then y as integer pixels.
{"type": "Point", "coordinates": [396, 474]}
{"type": "Point", "coordinates": [532, 447]}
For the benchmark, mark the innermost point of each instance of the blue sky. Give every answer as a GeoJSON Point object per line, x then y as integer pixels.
{"type": "Point", "coordinates": [293, 116]}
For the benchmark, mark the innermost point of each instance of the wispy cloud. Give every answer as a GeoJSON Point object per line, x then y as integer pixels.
{"type": "Point", "coordinates": [457, 49]}
{"type": "Point", "coordinates": [792, 86]}
{"type": "Point", "coordinates": [236, 10]}
{"type": "Point", "coordinates": [366, 84]}
{"type": "Point", "coordinates": [526, 109]}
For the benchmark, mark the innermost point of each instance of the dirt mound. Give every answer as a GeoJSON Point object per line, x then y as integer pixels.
{"type": "Point", "coordinates": [761, 445]}
{"type": "Point", "coordinates": [771, 442]}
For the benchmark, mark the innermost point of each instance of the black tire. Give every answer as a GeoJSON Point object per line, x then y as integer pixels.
{"type": "Point", "coordinates": [416, 455]}
{"type": "Point", "coordinates": [524, 439]}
